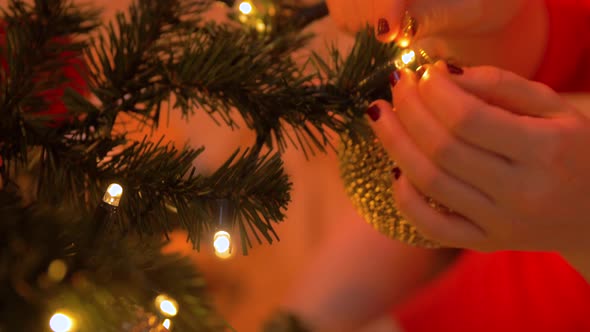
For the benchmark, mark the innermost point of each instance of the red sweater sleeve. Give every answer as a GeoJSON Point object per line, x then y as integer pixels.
{"type": "Point", "coordinates": [502, 291]}
{"type": "Point", "coordinates": [566, 66]}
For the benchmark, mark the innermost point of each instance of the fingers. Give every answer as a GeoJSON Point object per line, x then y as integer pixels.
{"type": "Point", "coordinates": [449, 230]}
{"type": "Point", "coordinates": [465, 162]}
{"type": "Point", "coordinates": [431, 16]}
{"type": "Point", "coordinates": [388, 18]}
{"type": "Point", "coordinates": [510, 91]}
{"type": "Point", "coordinates": [426, 176]}
{"type": "Point", "coordinates": [471, 119]}
{"type": "Point", "coordinates": [445, 16]}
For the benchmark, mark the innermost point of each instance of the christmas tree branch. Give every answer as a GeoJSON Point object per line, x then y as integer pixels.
{"type": "Point", "coordinates": [127, 64]}
{"type": "Point", "coordinates": [137, 78]}
{"type": "Point", "coordinates": [127, 77]}
{"type": "Point", "coordinates": [354, 81]}
{"type": "Point", "coordinates": [256, 187]}
{"type": "Point", "coordinates": [161, 51]}
{"type": "Point", "coordinates": [155, 53]}
{"type": "Point", "coordinates": [214, 67]}
{"type": "Point", "coordinates": [50, 263]}
{"type": "Point", "coordinates": [257, 77]}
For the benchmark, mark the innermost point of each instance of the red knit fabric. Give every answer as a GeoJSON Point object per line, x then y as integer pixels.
{"type": "Point", "coordinates": [566, 66]}
{"type": "Point", "coordinates": [517, 291]}
{"type": "Point", "coordinates": [73, 72]}
{"type": "Point", "coordinates": [504, 291]}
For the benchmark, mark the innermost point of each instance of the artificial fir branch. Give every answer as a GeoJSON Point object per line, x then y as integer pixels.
{"type": "Point", "coordinates": [129, 77]}
{"type": "Point", "coordinates": [355, 80]}
{"type": "Point", "coordinates": [256, 186]}
{"type": "Point", "coordinates": [109, 287]}
{"type": "Point", "coordinates": [161, 51]}
{"type": "Point", "coordinates": [126, 65]}
{"type": "Point", "coordinates": [215, 67]}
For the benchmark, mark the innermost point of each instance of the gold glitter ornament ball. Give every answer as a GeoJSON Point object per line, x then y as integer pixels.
{"type": "Point", "coordinates": [366, 171]}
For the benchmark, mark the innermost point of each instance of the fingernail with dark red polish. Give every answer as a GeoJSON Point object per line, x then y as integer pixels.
{"type": "Point", "coordinates": [394, 77]}
{"type": "Point", "coordinates": [455, 70]}
{"type": "Point", "coordinates": [374, 112]}
{"type": "Point", "coordinates": [396, 172]}
{"type": "Point", "coordinates": [414, 27]}
{"type": "Point", "coordinates": [420, 72]}
{"type": "Point", "coordinates": [382, 26]}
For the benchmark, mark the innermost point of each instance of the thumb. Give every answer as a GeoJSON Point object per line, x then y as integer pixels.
{"type": "Point", "coordinates": [388, 18]}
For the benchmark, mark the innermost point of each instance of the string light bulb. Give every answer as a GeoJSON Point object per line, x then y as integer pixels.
{"type": "Point", "coordinates": [106, 211]}
{"type": "Point", "coordinates": [57, 270]}
{"type": "Point", "coordinates": [113, 194]}
{"type": "Point", "coordinates": [403, 42]}
{"type": "Point", "coordinates": [222, 239]}
{"type": "Point", "coordinates": [222, 244]}
{"type": "Point", "coordinates": [245, 7]}
{"type": "Point", "coordinates": [60, 322]}
{"type": "Point", "coordinates": [167, 324]}
{"type": "Point", "coordinates": [405, 59]}
{"type": "Point", "coordinates": [260, 26]}
{"type": "Point", "coordinates": [167, 305]}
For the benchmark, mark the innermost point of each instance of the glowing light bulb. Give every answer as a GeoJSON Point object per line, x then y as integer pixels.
{"type": "Point", "coordinates": [168, 308]}
{"type": "Point", "coordinates": [406, 58]}
{"type": "Point", "coordinates": [113, 194]}
{"type": "Point", "coordinates": [403, 42]}
{"type": "Point", "coordinates": [167, 323]}
{"type": "Point", "coordinates": [57, 270]}
{"type": "Point", "coordinates": [245, 7]}
{"type": "Point", "coordinates": [260, 26]}
{"type": "Point", "coordinates": [222, 242]}
{"type": "Point", "coordinates": [61, 322]}
{"type": "Point", "coordinates": [167, 305]}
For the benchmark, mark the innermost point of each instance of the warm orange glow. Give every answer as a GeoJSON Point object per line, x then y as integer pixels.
{"type": "Point", "coordinates": [403, 42]}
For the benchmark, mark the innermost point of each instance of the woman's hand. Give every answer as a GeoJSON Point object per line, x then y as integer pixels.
{"type": "Point", "coordinates": [508, 156]}
{"type": "Point", "coordinates": [472, 32]}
